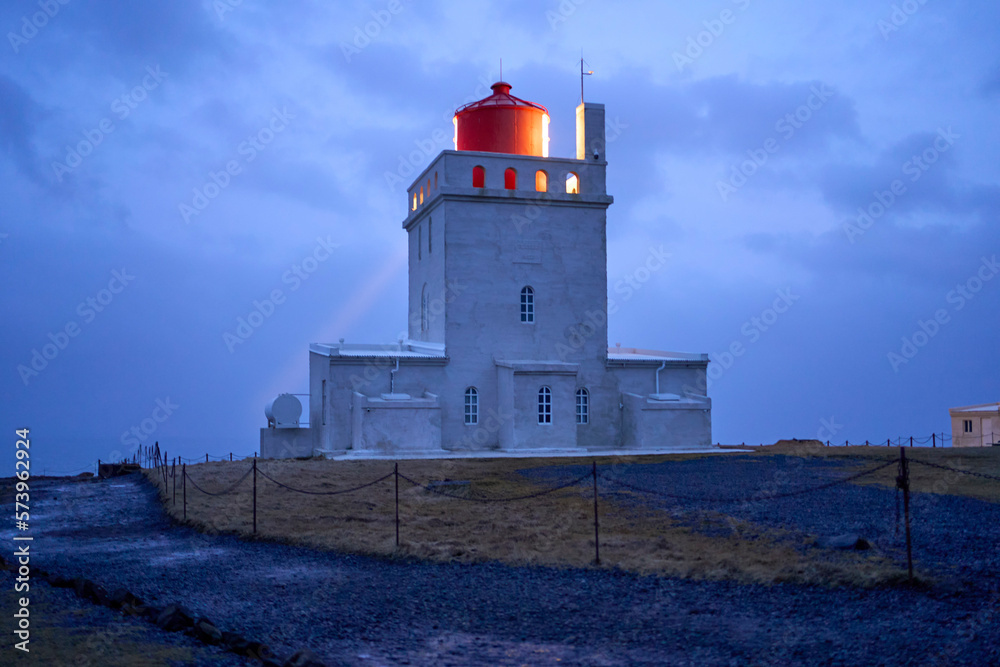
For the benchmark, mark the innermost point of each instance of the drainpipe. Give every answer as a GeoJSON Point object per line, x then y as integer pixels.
{"type": "Point", "coordinates": [662, 366]}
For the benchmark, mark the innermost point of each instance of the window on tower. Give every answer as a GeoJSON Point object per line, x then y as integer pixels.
{"type": "Point", "coordinates": [471, 406]}
{"type": "Point", "coordinates": [544, 405]}
{"type": "Point", "coordinates": [510, 178]}
{"type": "Point", "coordinates": [527, 305]}
{"type": "Point", "coordinates": [541, 181]}
{"type": "Point", "coordinates": [572, 184]}
{"type": "Point", "coordinates": [582, 406]}
{"type": "Point", "coordinates": [478, 177]}
{"type": "Point", "coordinates": [421, 195]}
{"type": "Point", "coordinates": [423, 308]}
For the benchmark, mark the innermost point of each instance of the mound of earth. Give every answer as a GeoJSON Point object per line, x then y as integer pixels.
{"type": "Point", "coordinates": [795, 444]}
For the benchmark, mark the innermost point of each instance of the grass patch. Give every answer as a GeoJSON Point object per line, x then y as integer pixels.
{"type": "Point", "coordinates": [75, 637]}
{"type": "Point", "coordinates": [556, 529]}
{"type": "Point", "coordinates": [923, 479]}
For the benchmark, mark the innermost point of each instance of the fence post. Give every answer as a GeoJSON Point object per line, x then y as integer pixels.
{"type": "Point", "coordinates": [230, 457]}
{"type": "Point", "coordinates": [911, 441]}
{"type": "Point", "coordinates": [254, 495]}
{"type": "Point", "coordinates": [184, 488]}
{"type": "Point", "coordinates": [395, 474]}
{"type": "Point", "coordinates": [173, 474]}
{"type": "Point", "coordinates": [597, 544]}
{"type": "Point", "coordinates": [206, 457]}
{"type": "Point", "coordinates": [933, 439]}
{"type": "Point", "coordinates": [903, 482]}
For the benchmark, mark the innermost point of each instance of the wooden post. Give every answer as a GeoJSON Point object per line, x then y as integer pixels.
{"type": "Point", "coordinates": [184, 488]}
{"type": "Point", "coordinates": [903, 481]}
{"type": "Point", "coordinates": [173, 473]}
{"type": "Point", "coordinates": [206, 457]}
{"type": "Point", "coordinates": [933, 439]}
{"type": "Point", "coordinates": [597, 543]}
{"type": "Point", "coordinates": [395, 474]}
{"type": "Point", "coordinates": [911, 441]}
{"type": "Point", "coordinates": [230, 457]}
{"type": "Point", "coordinates": [254, 495]}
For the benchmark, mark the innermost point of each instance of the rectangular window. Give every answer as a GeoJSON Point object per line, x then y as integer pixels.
{"type": "Point", "coordinates": [323, 405]}
{"type": "Point", "coordinates": [968, 425]}
{"type": "Point", "coordinates": [582, 406]}
{"type": "Point", "coordinates": [527, 305]}
{"type": "Point", "coordinates": [545, 406]}
{"type": "Point", "coordinates": [471, 406]}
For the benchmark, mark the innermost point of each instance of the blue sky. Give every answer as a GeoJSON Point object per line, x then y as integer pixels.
{"type": "Point", "coordinates": [749, 139]}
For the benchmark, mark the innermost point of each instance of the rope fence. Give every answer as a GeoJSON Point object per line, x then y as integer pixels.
{"type": "Point", "coordinates": [934, 440]}
{"type": "Point", "coordinates": [167, 470]}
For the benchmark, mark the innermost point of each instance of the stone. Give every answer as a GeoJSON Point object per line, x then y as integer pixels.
{"type": "Point", "coordinates": [304, 658]}
{"type": "Point", "coordinates": [845, 541]}
{"type": "Point", "coordinates": [236, 643]}
{"type": "Point", "coordinates": [122, 596]}
{"type": "Point", "coordinates": [60, 582]}
{"type": "Point", "coordinates": [150, 612]}
{"type": "Point", "coordinates": [206, 631]}
{"type": "Point", "coordinates": [175, 617]}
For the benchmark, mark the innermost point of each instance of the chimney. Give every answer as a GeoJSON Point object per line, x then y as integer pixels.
{"type": "Point", "coordinates": [590, 132]}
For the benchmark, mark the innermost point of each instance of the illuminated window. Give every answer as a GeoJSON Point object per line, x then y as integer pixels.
{"type": "Point", "coordinates": [478, 177]}
{"type": "Point", "coordinates": [544, 405]}
{"type": "Point", "coordinates": [572, 184]}
{"type": "Point", "coordinates": [527, 305]}
{"type": "Point", "coordinates": [967, 425]}
{"type": "Point", "coordinates": [541, 181]}
{"type": "Point", "coordinates": [471, 406]}
{"type": "Point", "coordinates": [510, 179]}
{"type": "Point", "coordinates": [428, 188]}
{"type": "Point", "coordinates": [421, 195]}
{"type": "Point", "coordinates": [414, 206]}
{"type": "Point", "coordinates": [582, 406]}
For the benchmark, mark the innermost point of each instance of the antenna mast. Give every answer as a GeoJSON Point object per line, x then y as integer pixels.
{"type": "Point", "coordinates": [583, 73]}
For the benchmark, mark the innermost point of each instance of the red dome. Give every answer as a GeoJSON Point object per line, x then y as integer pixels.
{"type": "Point", "coordinates": [502, 123]}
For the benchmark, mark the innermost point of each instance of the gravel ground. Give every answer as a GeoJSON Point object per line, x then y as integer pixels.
{"type": "Point", "coordinates": [368, 611]}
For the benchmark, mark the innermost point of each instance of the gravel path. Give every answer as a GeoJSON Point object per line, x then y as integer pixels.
{"type": "Point", "coordinates": [368, 611]}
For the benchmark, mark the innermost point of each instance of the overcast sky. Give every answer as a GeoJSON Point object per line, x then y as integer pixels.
{"type": "Point", "coordinates": [166, 164]}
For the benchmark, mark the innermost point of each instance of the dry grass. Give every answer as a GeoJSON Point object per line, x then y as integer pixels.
{"type": "Point", "coordinates": [74, 637]}
{"type": "Point", "coordinates": [555, 529]}
{"type": "Point", "coordinates": [923, 479]}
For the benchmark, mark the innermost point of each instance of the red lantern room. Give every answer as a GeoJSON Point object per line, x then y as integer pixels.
{"type": "Point", "coordinates": [502, 123]}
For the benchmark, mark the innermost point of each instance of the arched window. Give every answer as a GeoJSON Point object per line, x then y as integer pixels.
{"type": "Point", "coordinates": [435, 180]}
{"type": "Point", "coordinates": [471, 406]}
{"type": "Point", "coordinates": [527, 305]}
{"type": "Point", "coordinates": [423, 308]}
{"type": "Point", "coordinates": [544, 405]}
{"type": "Point", "coordinates": [582, 406]}
{"type": "Point", "coordinates": [421, 195]}
{"type": "Point", "coordinates": [541, 181]}
{"type": "Point", "coordinates": [572, 184]}
{"type": "Point", "coordinates": [478, 177]}
{"type": "Point", "coordinates": [413, 207]}
{"type": "Point", "coordinates": [510, 178]}
{"type": "Point", "coordinates": [428, 187]}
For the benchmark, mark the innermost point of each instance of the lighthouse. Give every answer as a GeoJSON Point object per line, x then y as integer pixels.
{"type": "Point", "coordinates": [506, 347]}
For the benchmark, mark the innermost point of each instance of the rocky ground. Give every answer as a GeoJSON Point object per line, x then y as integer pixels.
{"type": "Point", "coordinates": [354, 610]}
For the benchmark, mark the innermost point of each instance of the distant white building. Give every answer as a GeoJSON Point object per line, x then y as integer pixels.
{"type": "Point", "coordinates": [507, 345]}
{"type": "Point", "coordinates": [975, 425]}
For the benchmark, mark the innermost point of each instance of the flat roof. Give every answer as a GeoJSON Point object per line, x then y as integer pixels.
{"type": "Point", "coordinates": [406, 349]}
